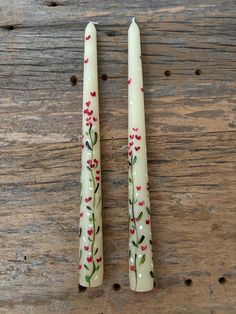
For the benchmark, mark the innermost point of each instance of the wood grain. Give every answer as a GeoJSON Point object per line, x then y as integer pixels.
{"type": "Point", "coordinates": [191, 135]}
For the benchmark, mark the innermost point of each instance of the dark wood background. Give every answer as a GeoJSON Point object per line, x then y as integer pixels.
{"type": "Point", "coordinates": [189, 62]}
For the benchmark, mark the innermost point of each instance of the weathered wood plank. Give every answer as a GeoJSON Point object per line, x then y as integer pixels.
{"type": "Point", "coordinates": [37, 96]}
{"type": "Point", "coordinates": [192, 181]}
{"type": "Point", "coordinates": [191, 125]}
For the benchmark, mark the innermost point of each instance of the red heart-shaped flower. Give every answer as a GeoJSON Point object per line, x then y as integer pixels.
{"type": "Point", "coordinates": [90, 231]}
{"type": "Point", "coordinates": [88, 103]}
{"type": "Point", "coordinates": [97, 171]}
{"type": "Point", "coordinates": [80, 266]}
{"type": "Point", "coordinates": [88, 199]}
{"type": "Point", "coordinates": [137, 148]}
{"type": "Point", "coordinates": [88, 37]}
{"type": "Point", "coordinates": [131, 143]}
{"type": "Point", "coordinates": [86, 60]}
{"type": "Point", "coordinates": [129, 81]}
{"type": "Point", "coordinates": [148, 221]}
{"type": "Point", "coordinates": [89, 259]}
{"type": "Point", "coordinates": [81, 214]}
{"type": "Point", "coordinates": [143, 247]}
{"type": "Point", "coordinates": [86, 248]}
{"type": "Point", "coordinates": [93, 94]}
{"type": "Point", "coordinates": [132, 267]}
{"type": "Point", "coordinates": [135, 129]}
{"type": "Point", "coordinates": [138, 137]}
{"type": "Point", "coordinates": [97, 178]}
{"type": "Point", "coordinates": [131, 231]}
{"type": "Point", "coordinates": [141, 89]}
{"type": "Point", "coordinates": [141, 203]}
{"type": "Point", "coordinates": [132, 136]}
{"type": "Point", "coordinates": [95, 119]}
{"type": "Point", "coordinates": [131, 153]}
{"type": "Point", "coordinates": [138, 187]}
{"type": "Point", "coordinates": [99, 259]}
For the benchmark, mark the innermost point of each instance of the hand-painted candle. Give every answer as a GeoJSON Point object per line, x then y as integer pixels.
{"type": "Point", "coordinates": [91, 242]}
{"type": "Point", "coordinates": [140, 239]}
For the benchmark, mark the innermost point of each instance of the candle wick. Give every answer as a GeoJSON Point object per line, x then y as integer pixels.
{"type": "Point", "coordinates": [133, 19]}
{"type": "Point", "coordinates": [96, 23]}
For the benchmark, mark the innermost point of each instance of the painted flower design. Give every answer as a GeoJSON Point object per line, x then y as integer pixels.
{"type": "Point", "coordinates": [138, 209]}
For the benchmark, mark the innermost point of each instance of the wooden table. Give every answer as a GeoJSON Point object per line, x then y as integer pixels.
{"type": "Point", "coordinates": [190, 91]}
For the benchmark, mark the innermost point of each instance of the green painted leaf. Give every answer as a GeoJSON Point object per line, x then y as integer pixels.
{"type": "Point", "coordinates": [129, 253]}
{"type": "Point", "coordinates": [130, 180]}
{"type": "Point", "coordinates": [130, 202]}
{"type": "Point", "coordinates": [80, 232]}
{"type": "Point", "coordinates": [89, 168]}
{"type": "Point", "coordinates": [139, 216]}
{"type": "Point", "coordinates": [88, 207]}
{"type": "Point", "coordinates": [98, 229]}
{"type": "Point", "coordinates": [134, 160]}
{"type": "Point", "coordinates": [90, 128]}
{"type": "Point", "coordinates": [96, 188]}
{"type": "Point", "coordinates": [96, 251]}
{"type": "Point", "coordinates": [134, 244]}
{"type": "Point", "coordinates": [88, 145]}
{"type": "Point", "coordinates": [80, 254]}
{"type": "Point", "coordinates": [87, 278]}
{"type": "Point", "coordinates": [148, 210]}
{"type": "Point", "coordinates": [151, 274]}
{"type": "Point", "coordinates": [95, 138]}
{"type": "Point", "coordinates": [90, 180]}
{"type": "Point", "coordinates": [142, 259]}
{"type": "Point", "coordinates": [99, 201]}
{"type": "Point", "coordinates": [129, 165]}
{"type": "Point", "coordinates": [98, 267]}
{"type": "Point", "coordinates": [90, 239]}
{"type": "Point", "coordinates": [141, 239]}
{"type": "Point", "coordinates": [86, 267]}
{"type": "Point", "coordinates": [150, 242]}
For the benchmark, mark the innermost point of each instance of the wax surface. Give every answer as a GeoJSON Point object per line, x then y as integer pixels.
{"type": "Point", "coordinates": [140, 240]}
{"type": "Point", "coordinates": [91, 242]}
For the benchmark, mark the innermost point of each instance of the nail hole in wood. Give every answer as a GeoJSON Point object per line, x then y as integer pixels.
{"type": "Point", "coordinates": [9, 27]}
{"type": "Point", "coordinates": [116, 287]}
{"type": "Point", "coordinates": [104, 77]}
{"type": "Point", "coordinates": [222, 280]}
{"type": "Point", "coordinates": [111, 34]}
{"type": "Point", "coordinates": [198, 72]}
{"type": "Point", "coordinates": [188, 282]}
{"type": "Point", "coordinates": [25, 258]}
{"type": "Point", "coordinates": [52, 4]}
{"type": "Point", "coordinates": [82, 288]}
{"type": "Point", "coordinates": [167, 73]}
{"type": "Point", "coordinates": [73, 80]}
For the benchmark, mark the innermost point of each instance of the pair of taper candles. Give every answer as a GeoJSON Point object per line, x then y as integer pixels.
{"type": "Point", "coordinates": [140, 239]}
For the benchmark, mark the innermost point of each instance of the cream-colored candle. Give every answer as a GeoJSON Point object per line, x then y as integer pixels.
{"type": "Point", "coordinates": [140, 239]}
{"type": "Point", "coordinates": [91, 242]}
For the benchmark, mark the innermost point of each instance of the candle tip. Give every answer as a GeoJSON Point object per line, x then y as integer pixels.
{"type": "Point", "coordinates": [96, 23]}
{"type": "Point", "coordinates": [133, 19]}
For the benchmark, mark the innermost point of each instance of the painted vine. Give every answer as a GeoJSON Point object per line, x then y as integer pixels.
{"type": "Point", "coordinates": [137, 207]}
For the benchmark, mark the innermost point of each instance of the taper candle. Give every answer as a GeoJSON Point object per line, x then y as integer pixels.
{"type": "Point", "coordinates": [91, 241]}
{"type": "Point", "coordinates": [140, 239]}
